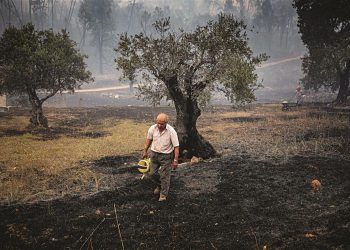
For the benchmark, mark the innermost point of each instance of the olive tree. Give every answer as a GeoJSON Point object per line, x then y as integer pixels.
{"type": "Point", "coordinates": [186, 67]}
{"type": "Point", "coordinates": [325, 30]}
{"type": "Point", "coordinates": [39, 64]}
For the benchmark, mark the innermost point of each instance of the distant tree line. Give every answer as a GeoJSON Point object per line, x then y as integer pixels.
{"type": "Point", "coordinates": [95, 24]}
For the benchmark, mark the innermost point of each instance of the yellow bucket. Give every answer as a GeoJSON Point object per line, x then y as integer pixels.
{"type": "Point", "coordinates": [143, 166]}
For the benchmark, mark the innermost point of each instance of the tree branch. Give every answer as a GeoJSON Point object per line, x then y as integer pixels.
{"type": "Point", "coordinates": [48, 96]}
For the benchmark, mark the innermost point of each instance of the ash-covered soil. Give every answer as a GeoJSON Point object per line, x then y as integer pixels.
{"type": "Point", "coordinates": [225, 203]}
{"type": "Point", "coordinates": [236, 201]}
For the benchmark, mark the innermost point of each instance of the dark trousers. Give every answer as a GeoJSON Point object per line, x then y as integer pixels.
{"type": "Point", "coordinates": [160, 171]}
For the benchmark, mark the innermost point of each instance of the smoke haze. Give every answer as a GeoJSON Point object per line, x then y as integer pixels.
{"type": "Point", "coordinates": [272, 30]}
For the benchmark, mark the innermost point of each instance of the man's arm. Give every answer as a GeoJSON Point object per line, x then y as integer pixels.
{"type": "Point", "coordinates": [145, 151]}
{"type": "Point", "coordinates": [176, 157]}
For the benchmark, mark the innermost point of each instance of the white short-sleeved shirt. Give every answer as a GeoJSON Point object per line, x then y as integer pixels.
{"type": "Point", "coordinates": [163, 142]}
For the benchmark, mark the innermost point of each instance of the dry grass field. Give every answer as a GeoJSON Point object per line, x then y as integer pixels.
{"type": "Point", "coordinates": [47, 164]}
{"type": "Point", "coordinates": [281, 181]}
{"type": "Point", "coordinates": [267, 133]}
{"type": "Point", "coordinates": [42, 164]}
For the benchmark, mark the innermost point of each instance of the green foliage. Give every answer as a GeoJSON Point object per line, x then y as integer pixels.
{"type": "Point", "coordinates": [212, 57]}
{"type": "Point", "coordinates": [34, 61]}
{"type": "Point", "coordinates": [325, 30]}
{"type": "Point", "coordinates": [323, 21]}
{"type": "Point", "coordinates": [322, 66]}
{"type": "Point", "coordinates": [239, 79]}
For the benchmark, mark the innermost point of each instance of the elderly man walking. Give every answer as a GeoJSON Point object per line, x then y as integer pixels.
{"type": "Point", "coordinates": [164, 143]}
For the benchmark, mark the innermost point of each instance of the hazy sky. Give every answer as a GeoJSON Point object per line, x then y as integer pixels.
{"type": "Point", "coordinates": [161, 3]}
{"type": "Point", "coordinates": [146, 2]}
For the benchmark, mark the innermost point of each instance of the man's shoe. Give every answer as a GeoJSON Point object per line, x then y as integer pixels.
{"type": "Point", "coordinates": [162, 197]}
{"type": "Point", "coordinates": [156, 190]}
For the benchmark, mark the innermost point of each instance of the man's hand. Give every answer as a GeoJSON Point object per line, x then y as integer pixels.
{"type": "Point", "coordinates": [148, 144]}
{"type": "Point", "coordinates": [174, 164]}
{"type": "Point", "coordinates": [145, 154]}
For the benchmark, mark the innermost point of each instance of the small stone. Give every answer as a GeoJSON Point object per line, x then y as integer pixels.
{"type": "Point", "coordinates": [316, 184]}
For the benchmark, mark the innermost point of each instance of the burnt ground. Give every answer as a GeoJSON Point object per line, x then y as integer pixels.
{"type": "Point", "coordinates": [225, 203]}
{"type": "Point", "coordinates": [232, 202]}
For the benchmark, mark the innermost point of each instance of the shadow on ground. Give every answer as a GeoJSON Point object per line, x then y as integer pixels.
{"type": "Point", "coordinates": [253, 204]}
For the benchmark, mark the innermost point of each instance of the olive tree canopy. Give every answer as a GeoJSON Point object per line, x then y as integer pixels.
{"type": "Point", "coordinates": [186, 67]}
{"type": "Point", "coordinates": [39, 64]}
{"type": "Point", "coordinates": [325, 30]}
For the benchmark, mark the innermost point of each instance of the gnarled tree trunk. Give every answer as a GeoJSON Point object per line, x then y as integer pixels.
{"type": "Point", "coordinates": [344, 89]}
{"type": "Point", "coordinates": [37, 115]}
{"type": "Point", "coordinates": [187, 113]}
